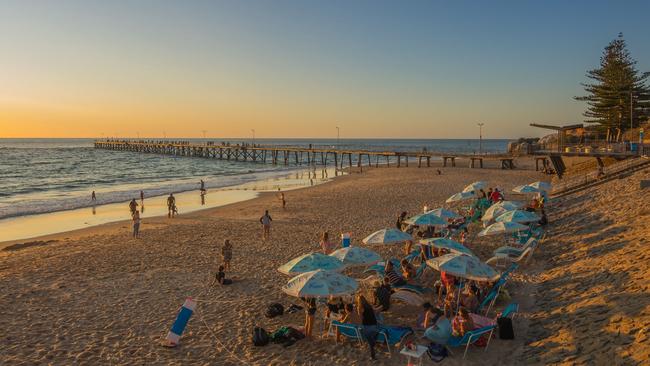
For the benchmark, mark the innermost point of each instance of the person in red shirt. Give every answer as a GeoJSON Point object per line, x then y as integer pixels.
{"type": "Point", "coordinates": [496, 196]}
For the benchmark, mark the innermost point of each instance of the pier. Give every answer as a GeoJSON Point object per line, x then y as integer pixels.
{"type": "Point", "coordinates": [295, 155]}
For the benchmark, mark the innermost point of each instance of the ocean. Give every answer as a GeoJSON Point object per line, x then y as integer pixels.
{"type": "Point", "coordinates": [49, 175]}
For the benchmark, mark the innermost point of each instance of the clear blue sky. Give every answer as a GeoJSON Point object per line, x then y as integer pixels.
{"type": "Point", "coordinates": [421, 69]}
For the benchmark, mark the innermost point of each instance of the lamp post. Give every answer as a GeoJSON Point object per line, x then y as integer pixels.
{"type": "Point", "coordinates": [253, 131]}
{"type": "Point", "coordinates": [480, 138]}
{"type": "Point", "coordinates": [337, 136]}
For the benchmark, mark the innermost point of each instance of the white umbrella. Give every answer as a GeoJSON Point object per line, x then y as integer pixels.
{"type": "Point", "coordinates": [426, 220]}
{"type": "Point", "coordinates": [387, 236]}
{"type": "Point", "coordinates": [444, 213]}
{"type": "Point", "coordinates": [311, 262]}
{"type": "Point", "coordinates": [475, 187]}
{"type": "Point", "coordinates": [446, 243]}
{"type": "Point", "coordinates": [500, 208]}
{"type": "Point", "coordinates": [502, 228]}
{"type": "Point", "coordinates": [542, 186]}
{"type": "Point", "coordinates": [355, 256]}
{"type": "Point", "coordinates": [320, 284]}
{"type": "Point", "coordinates": [463, 266]}
{"type": "Point", "coordinates": [460, 196]}
{"type": "Point", "coordinates": [518, 216]}
{"type": "Point", "coordinates": [526, 189]}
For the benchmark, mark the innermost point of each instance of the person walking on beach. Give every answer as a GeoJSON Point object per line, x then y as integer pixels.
{"type": "Point", "coordinates": [202, 183]}
{"type": "Point", "coordinates": [368, 322]}
{"type": "Point", "coordinates": [133, 206]}
{"type": "Point", "coordinates": [171, 205]}
{"type": "Point", "coordinates": [136, 224]}
{"type": "Point", "coordinates": [93, 197]}
{"type": "Point", "coordinates": [226, 254]}
{"type": "Point", "coordinates": [282, 199]}
{"type": "Point", "coordinates": [266, 225]}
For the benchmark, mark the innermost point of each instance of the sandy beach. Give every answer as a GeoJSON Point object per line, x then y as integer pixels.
{"type": "Point", "coordinates": [97, 296]}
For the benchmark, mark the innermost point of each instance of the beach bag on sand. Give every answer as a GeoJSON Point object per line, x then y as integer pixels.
{"type": "Point", "coordinates": [274, 310]}
{"type": "Point", "coordinates": [437, 352]}
{"type": "Point", "coordinates": [505, 328]}
{"type": "Point", "coordinates": [260, 337]}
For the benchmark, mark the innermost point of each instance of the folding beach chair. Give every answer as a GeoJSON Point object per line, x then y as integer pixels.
{"type": "Point", "coordinates": [471, 337]}
{"type": "Point", "coordinates": [392, 335]}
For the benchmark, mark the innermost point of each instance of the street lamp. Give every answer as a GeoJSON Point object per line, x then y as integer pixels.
{"type": "Point", "coordinates": [480, 138]}
{"type": "Point", "coordinates": [253, 131]}
{"type": "Point", "coordinates": [337, 135]}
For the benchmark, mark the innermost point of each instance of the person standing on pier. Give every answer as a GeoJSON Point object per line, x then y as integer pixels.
{"type": "Point", "coordinates": [133, 206]}
{"type": "Point", "coordinates": [266, 225]}
{"type": "Point", "coordinates": [93, 197]}
{"type": "Point", "coordinates": [171, 205]}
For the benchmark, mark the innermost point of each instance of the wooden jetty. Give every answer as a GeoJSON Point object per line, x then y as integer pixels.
{"type": "Point", "coordinates": [289, 155]}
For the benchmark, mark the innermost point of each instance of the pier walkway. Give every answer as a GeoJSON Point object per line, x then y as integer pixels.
{"type": "Point", "coordinates": [297, 155]}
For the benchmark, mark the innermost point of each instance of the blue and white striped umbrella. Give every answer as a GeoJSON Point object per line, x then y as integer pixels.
{"type": "Point", "coordinates": [463, 266]}
{"type": "Point", "coordinates": [311, 262]}
{"type": "Point", "coordinates": [518, 216]}
{"type": "Point", "coordinates": [446, 243]}
{"type": "Point", "coordinates": [387, 236]}
{"type": "Point", "coordinates": [426, 219]}
{"type": "Point", "coordinates": [356, 256]}
{"type": "Point", "coordinates": [320, 284]}
{"type": "Point", "coordinates": [444, 213]}
{"type": "Point", "coordinates": [502, 228]}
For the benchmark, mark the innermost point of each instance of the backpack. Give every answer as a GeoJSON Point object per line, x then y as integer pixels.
{"type": "Point", "coordinates": [274, 310]}
{"type": "Point", "coordinates": [437, 352]}
{"type": "Point", "coordinates": [505, 328]}
{"type": "Point", "coordinates": [260, 337]}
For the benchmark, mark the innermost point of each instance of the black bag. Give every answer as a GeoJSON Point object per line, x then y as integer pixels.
{"type": "Point", "coordinates": [260, 337]}
{"type": "Point", "coordinates": [505, 328]}
{"type": "Point", "coordinates": [437, 352]}
{"type": "Point", "coordinates": [274, 310]}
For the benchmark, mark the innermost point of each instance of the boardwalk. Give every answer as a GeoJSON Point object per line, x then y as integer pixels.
{"type": "Point", "coordinates": [295, 154]}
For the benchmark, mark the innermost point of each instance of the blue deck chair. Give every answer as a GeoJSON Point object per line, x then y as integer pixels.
{"type": "Point", "coordinates": [491, 297]}
{"type": "Point", "coordinates": [391, 335]}
{"type": "Point", "coordinates": [471, 337]}
{"type": "Point", "coordinates": [379, 269]}
{"type": "Point", "coordinates": [350, 331]}
{"type": "Point", "coordinates": [510, 311]}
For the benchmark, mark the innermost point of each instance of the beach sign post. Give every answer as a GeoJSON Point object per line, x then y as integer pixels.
{"type": "Point", "coordinates": [174, 334]}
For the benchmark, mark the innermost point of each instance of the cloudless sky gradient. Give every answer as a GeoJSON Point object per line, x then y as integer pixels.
{"type": "Point", "coordinates": [394, 69]}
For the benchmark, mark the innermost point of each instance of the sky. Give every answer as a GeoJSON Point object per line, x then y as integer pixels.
{"type": "Point", "coordinates": [375, 69]}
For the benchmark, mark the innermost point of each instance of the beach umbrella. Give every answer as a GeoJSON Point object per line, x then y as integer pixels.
{"type": "Point", "coordinates": [500, 208]}
{"type": "Point", "coordinates": [542, 186]}
{"type": "Point", "coordinates": [475, 187]}
{"type": "Point", "coordinates": [502, 228]}
{"type": "Point", "coordinates": [387, 236]}
{"type": "Point", "coordinates": [320, 283]}
{"type": "Point", "coordinates": [311, 262]}
{"type": "Point", "coordinates": [463, 266]}
{"type": "Point", "coordinates": [446, 243]}
{"type": "Point", "coordinates": [444, 213]}
{"type": "Point", "coordinates": [518, 216]}
{"type": "Point", "coordinates": [460, 196]}
{"type": "Point", "coordinates": [354, 256]}
{"type": "Point", "coordinates": [426, 220]}
{"type": "Point", "coordinates": [526, 189]}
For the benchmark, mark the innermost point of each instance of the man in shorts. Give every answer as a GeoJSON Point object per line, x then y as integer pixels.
{"type": "Point", "coordinates": [266, 225]}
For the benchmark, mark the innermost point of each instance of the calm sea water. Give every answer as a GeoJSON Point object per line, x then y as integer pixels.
{"type": "Point", "coordinates": [47, 175]}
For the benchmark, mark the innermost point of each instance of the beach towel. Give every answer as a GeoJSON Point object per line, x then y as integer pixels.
{"type": "Point", "coordinates": [174, 334]}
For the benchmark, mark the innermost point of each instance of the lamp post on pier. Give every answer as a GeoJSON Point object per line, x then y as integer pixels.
{"type": "Point", "coordinates": [253, 131]}
{"type": "Point", "coordinates": [480, 138]}
{"type": "Point", "coordinates": [337, 136]}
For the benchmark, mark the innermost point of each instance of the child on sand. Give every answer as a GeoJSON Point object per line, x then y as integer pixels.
{"type": "Point", "coordinates": [226, 254]}
{"type": "Point", "coordinates": [266, 225]}
{"type": "Point", "coordinates": [221, 277]}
